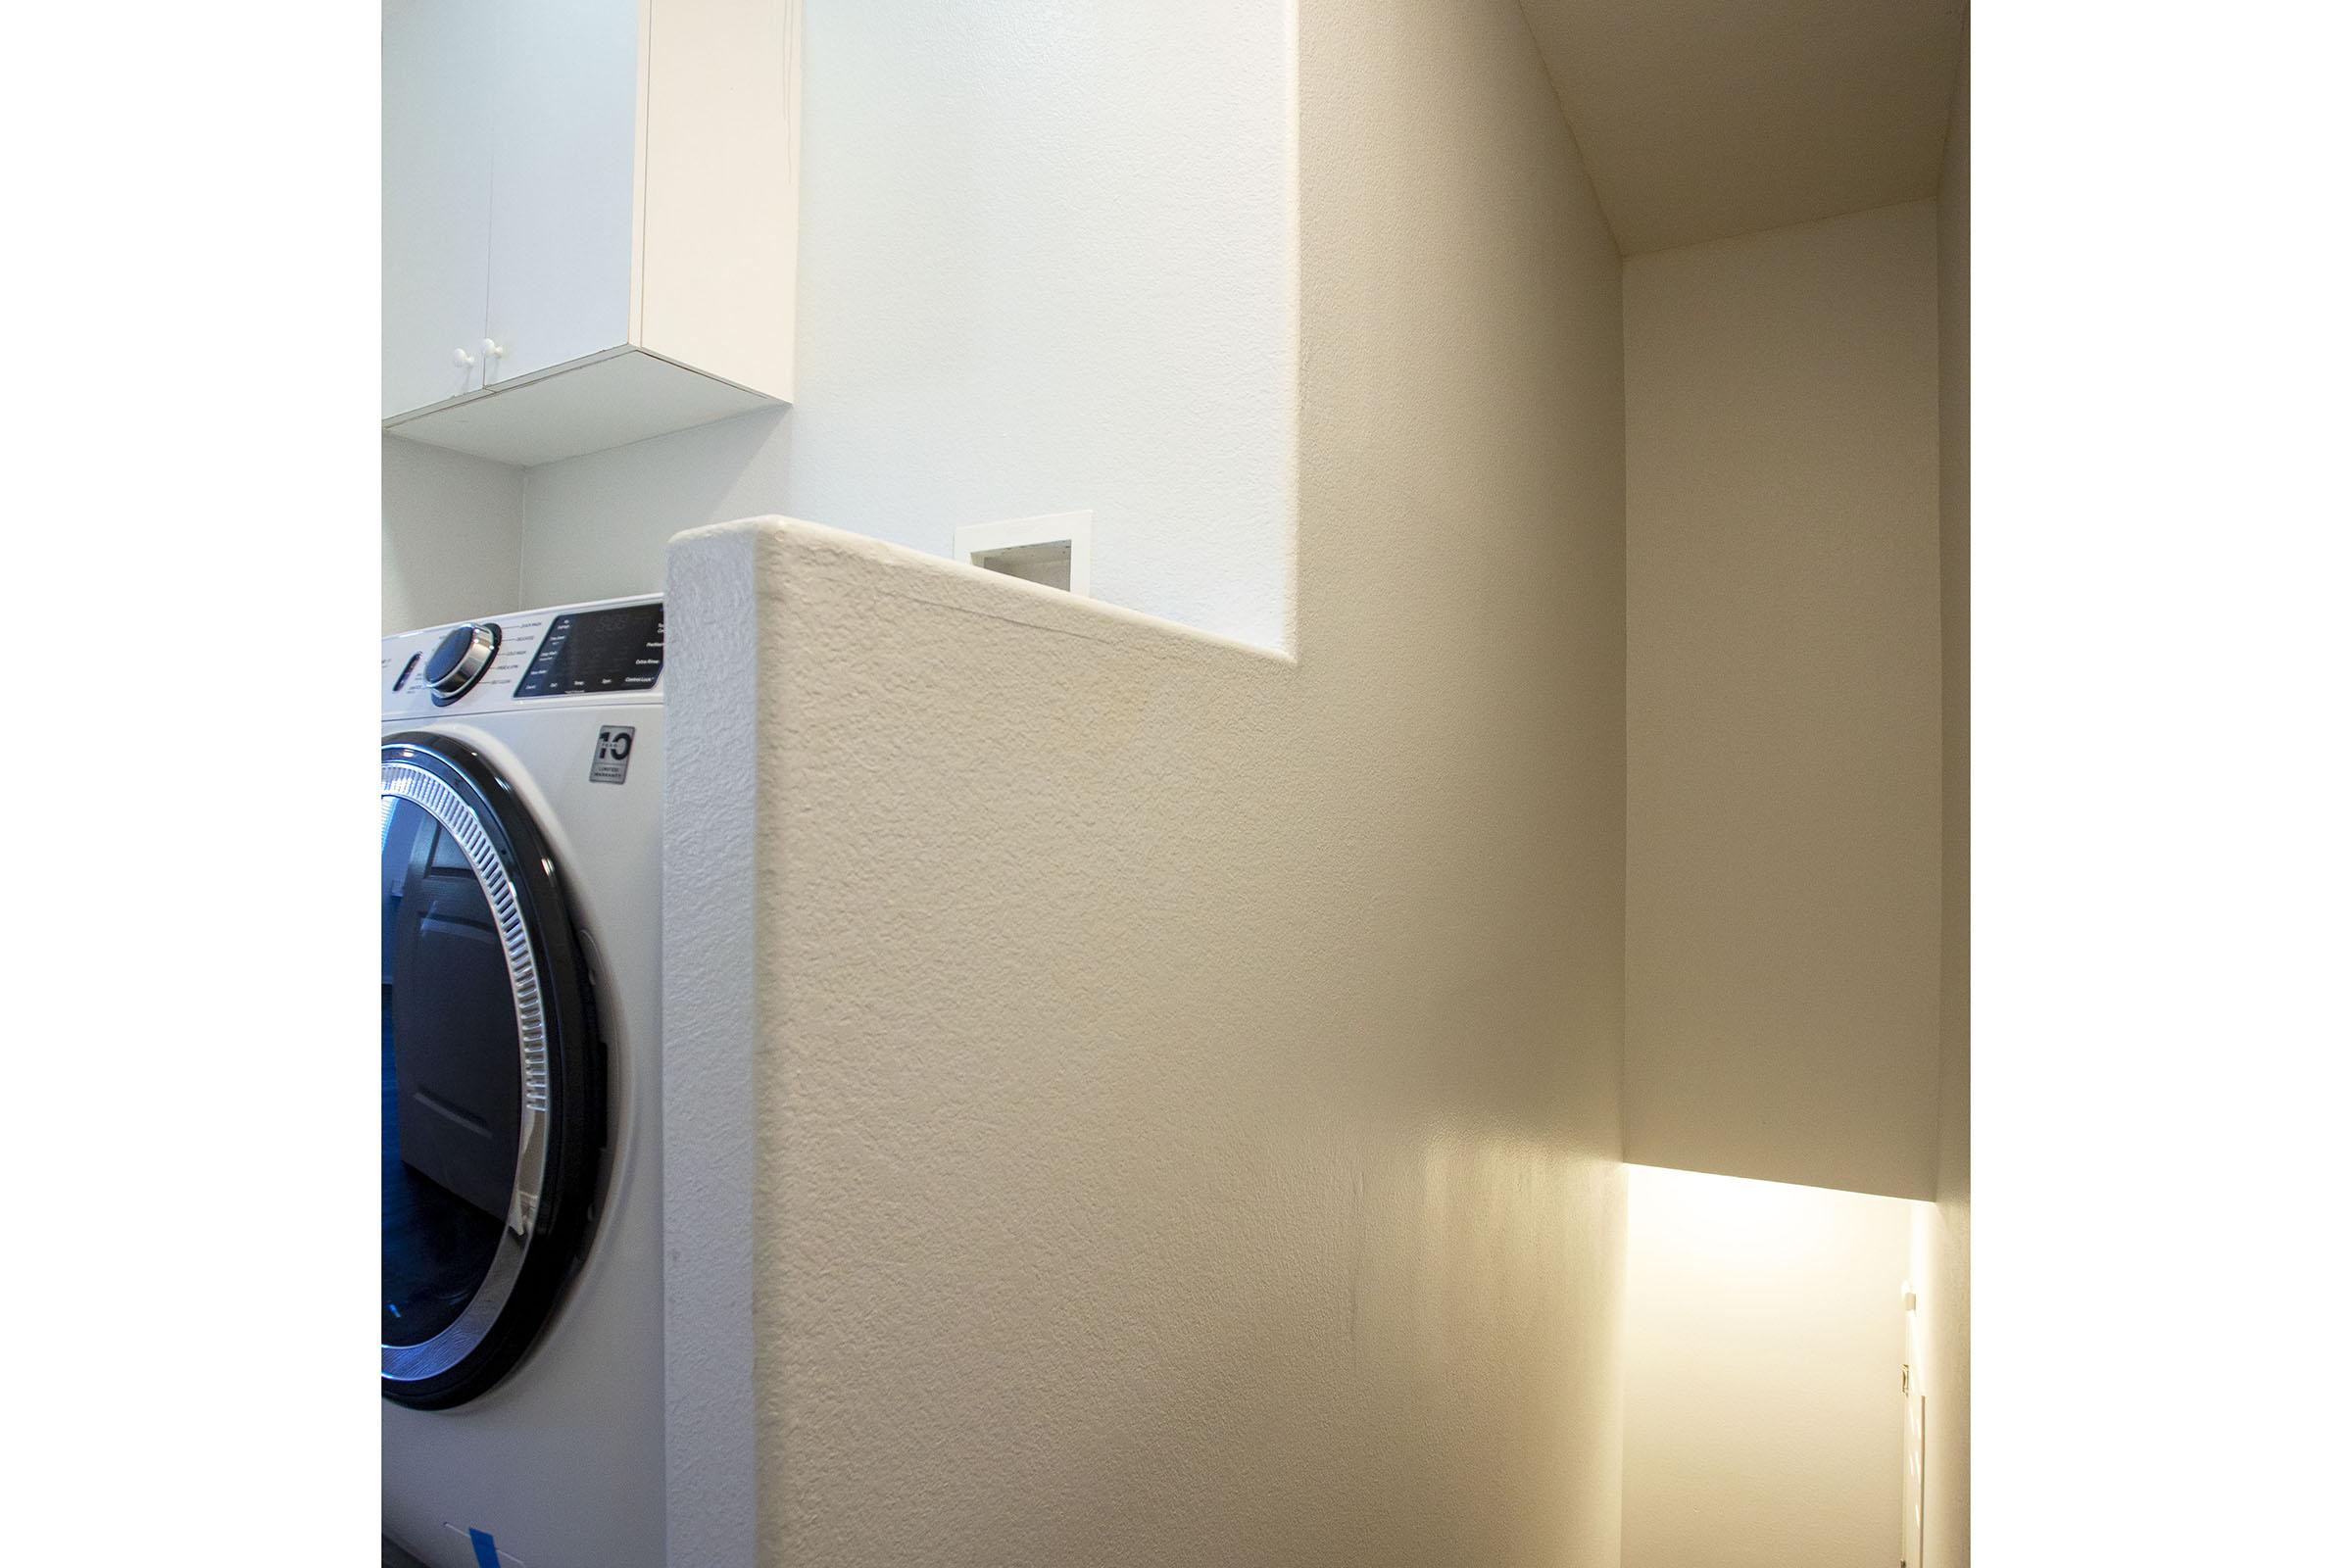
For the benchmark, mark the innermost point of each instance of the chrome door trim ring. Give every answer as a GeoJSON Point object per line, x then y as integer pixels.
{"type": "Point", "coordinates": [406, 781]}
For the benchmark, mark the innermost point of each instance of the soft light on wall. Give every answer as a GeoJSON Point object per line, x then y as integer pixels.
{"type": "Point", "coordinates": [1764, 1355]}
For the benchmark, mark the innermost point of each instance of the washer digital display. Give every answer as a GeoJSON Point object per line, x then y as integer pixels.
{"type": "Point", "coordinates": [594, 651]}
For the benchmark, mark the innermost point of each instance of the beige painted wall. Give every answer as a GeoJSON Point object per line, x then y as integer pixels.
{"type": "Point", "coordinates": [1783, 693]}
{"type": "Point", "coordinates": [1763, 1396]}
{"type": "Point", "coordinates": [452, 535]}
{"type": "Point", "coordinates": [1187, 1085]}
{"type": "Point", "coordinates": [1941, 1238]}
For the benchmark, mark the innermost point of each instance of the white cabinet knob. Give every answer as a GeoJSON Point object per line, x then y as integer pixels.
{"type": "Point", "coordinates": [490, 346]}
{"type": "Point", "coordinates": [462, 359]}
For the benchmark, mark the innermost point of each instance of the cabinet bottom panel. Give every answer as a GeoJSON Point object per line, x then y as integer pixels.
{"type": "Point", "coordinates": [606, 400]}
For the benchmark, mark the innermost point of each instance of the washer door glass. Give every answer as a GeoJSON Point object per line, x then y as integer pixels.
{"type": "Point", "coordinates": [493, 1097]}
{"type": "Point", "coordinates": [453, 1078]}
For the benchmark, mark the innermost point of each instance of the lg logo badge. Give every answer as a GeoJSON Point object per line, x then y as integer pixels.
{"type": "Point", "coordinates": [613, 743]}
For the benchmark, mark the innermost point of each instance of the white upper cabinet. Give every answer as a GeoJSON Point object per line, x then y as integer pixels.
{"type": "Point", "coordinates": [564, 186]}
{"type": "Point", "coordinates": [437, 112]}
{"type": "Point", "coordinates": [590, 219]}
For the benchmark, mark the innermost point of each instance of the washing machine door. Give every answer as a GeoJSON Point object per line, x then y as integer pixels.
{"type": "Point", "coordinates": [493, 1080]}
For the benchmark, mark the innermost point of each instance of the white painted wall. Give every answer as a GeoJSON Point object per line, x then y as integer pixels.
{"type": "Point", "coordinates": [1764, 1348]}
{"type": "Point", "coordinates": [1940, 1234]}
{"type": "Point", "coordinates": [1784, 744]}
{"type": "Point", "coordinates": [1186, 1085]}
{"type": "Point", "coordinates": [1044, 267]}
{"type": "Point", "coordinates": [452, 536]}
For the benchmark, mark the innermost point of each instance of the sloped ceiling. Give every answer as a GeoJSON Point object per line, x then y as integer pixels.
{"type": "Point", "coordinates": [1702, 118]}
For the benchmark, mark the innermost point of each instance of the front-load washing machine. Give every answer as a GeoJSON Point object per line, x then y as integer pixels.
{"type": "Point", "coordinates": [521, 887]}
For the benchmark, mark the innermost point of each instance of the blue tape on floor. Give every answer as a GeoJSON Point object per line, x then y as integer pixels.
{"type": "Point", "coordinates": [485, 1551]}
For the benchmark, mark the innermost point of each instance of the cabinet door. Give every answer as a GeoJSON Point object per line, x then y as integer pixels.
{"type": "Point", "coordinates": [438, 117]}
{"type": "Point", "coordinates": [562, 199]}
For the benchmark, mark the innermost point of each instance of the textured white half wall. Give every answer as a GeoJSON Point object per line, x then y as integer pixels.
{"type": "Point", "coordinates": [1044, 267]}
{"type": "Point", "coordinates": [1182, 1081]}
{"type": "Point", "coordinates": [1763, 1379]}
{"type": "Point", "coordinates": [452, 536]}
{"type": "Point", "coordinates": [1784, 744]}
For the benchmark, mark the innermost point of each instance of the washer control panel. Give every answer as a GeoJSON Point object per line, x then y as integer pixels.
{"type": "Point", "coordinates": [616, 650]}
{"type": "Point", "coordinates": [611, 649]}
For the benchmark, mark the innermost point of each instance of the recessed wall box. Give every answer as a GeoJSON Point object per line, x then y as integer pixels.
{"type": "Point", "coordinates": [1052, 550]}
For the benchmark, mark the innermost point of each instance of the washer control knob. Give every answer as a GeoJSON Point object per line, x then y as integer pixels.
{"type": "Point", "coordinates": [463, 658]}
